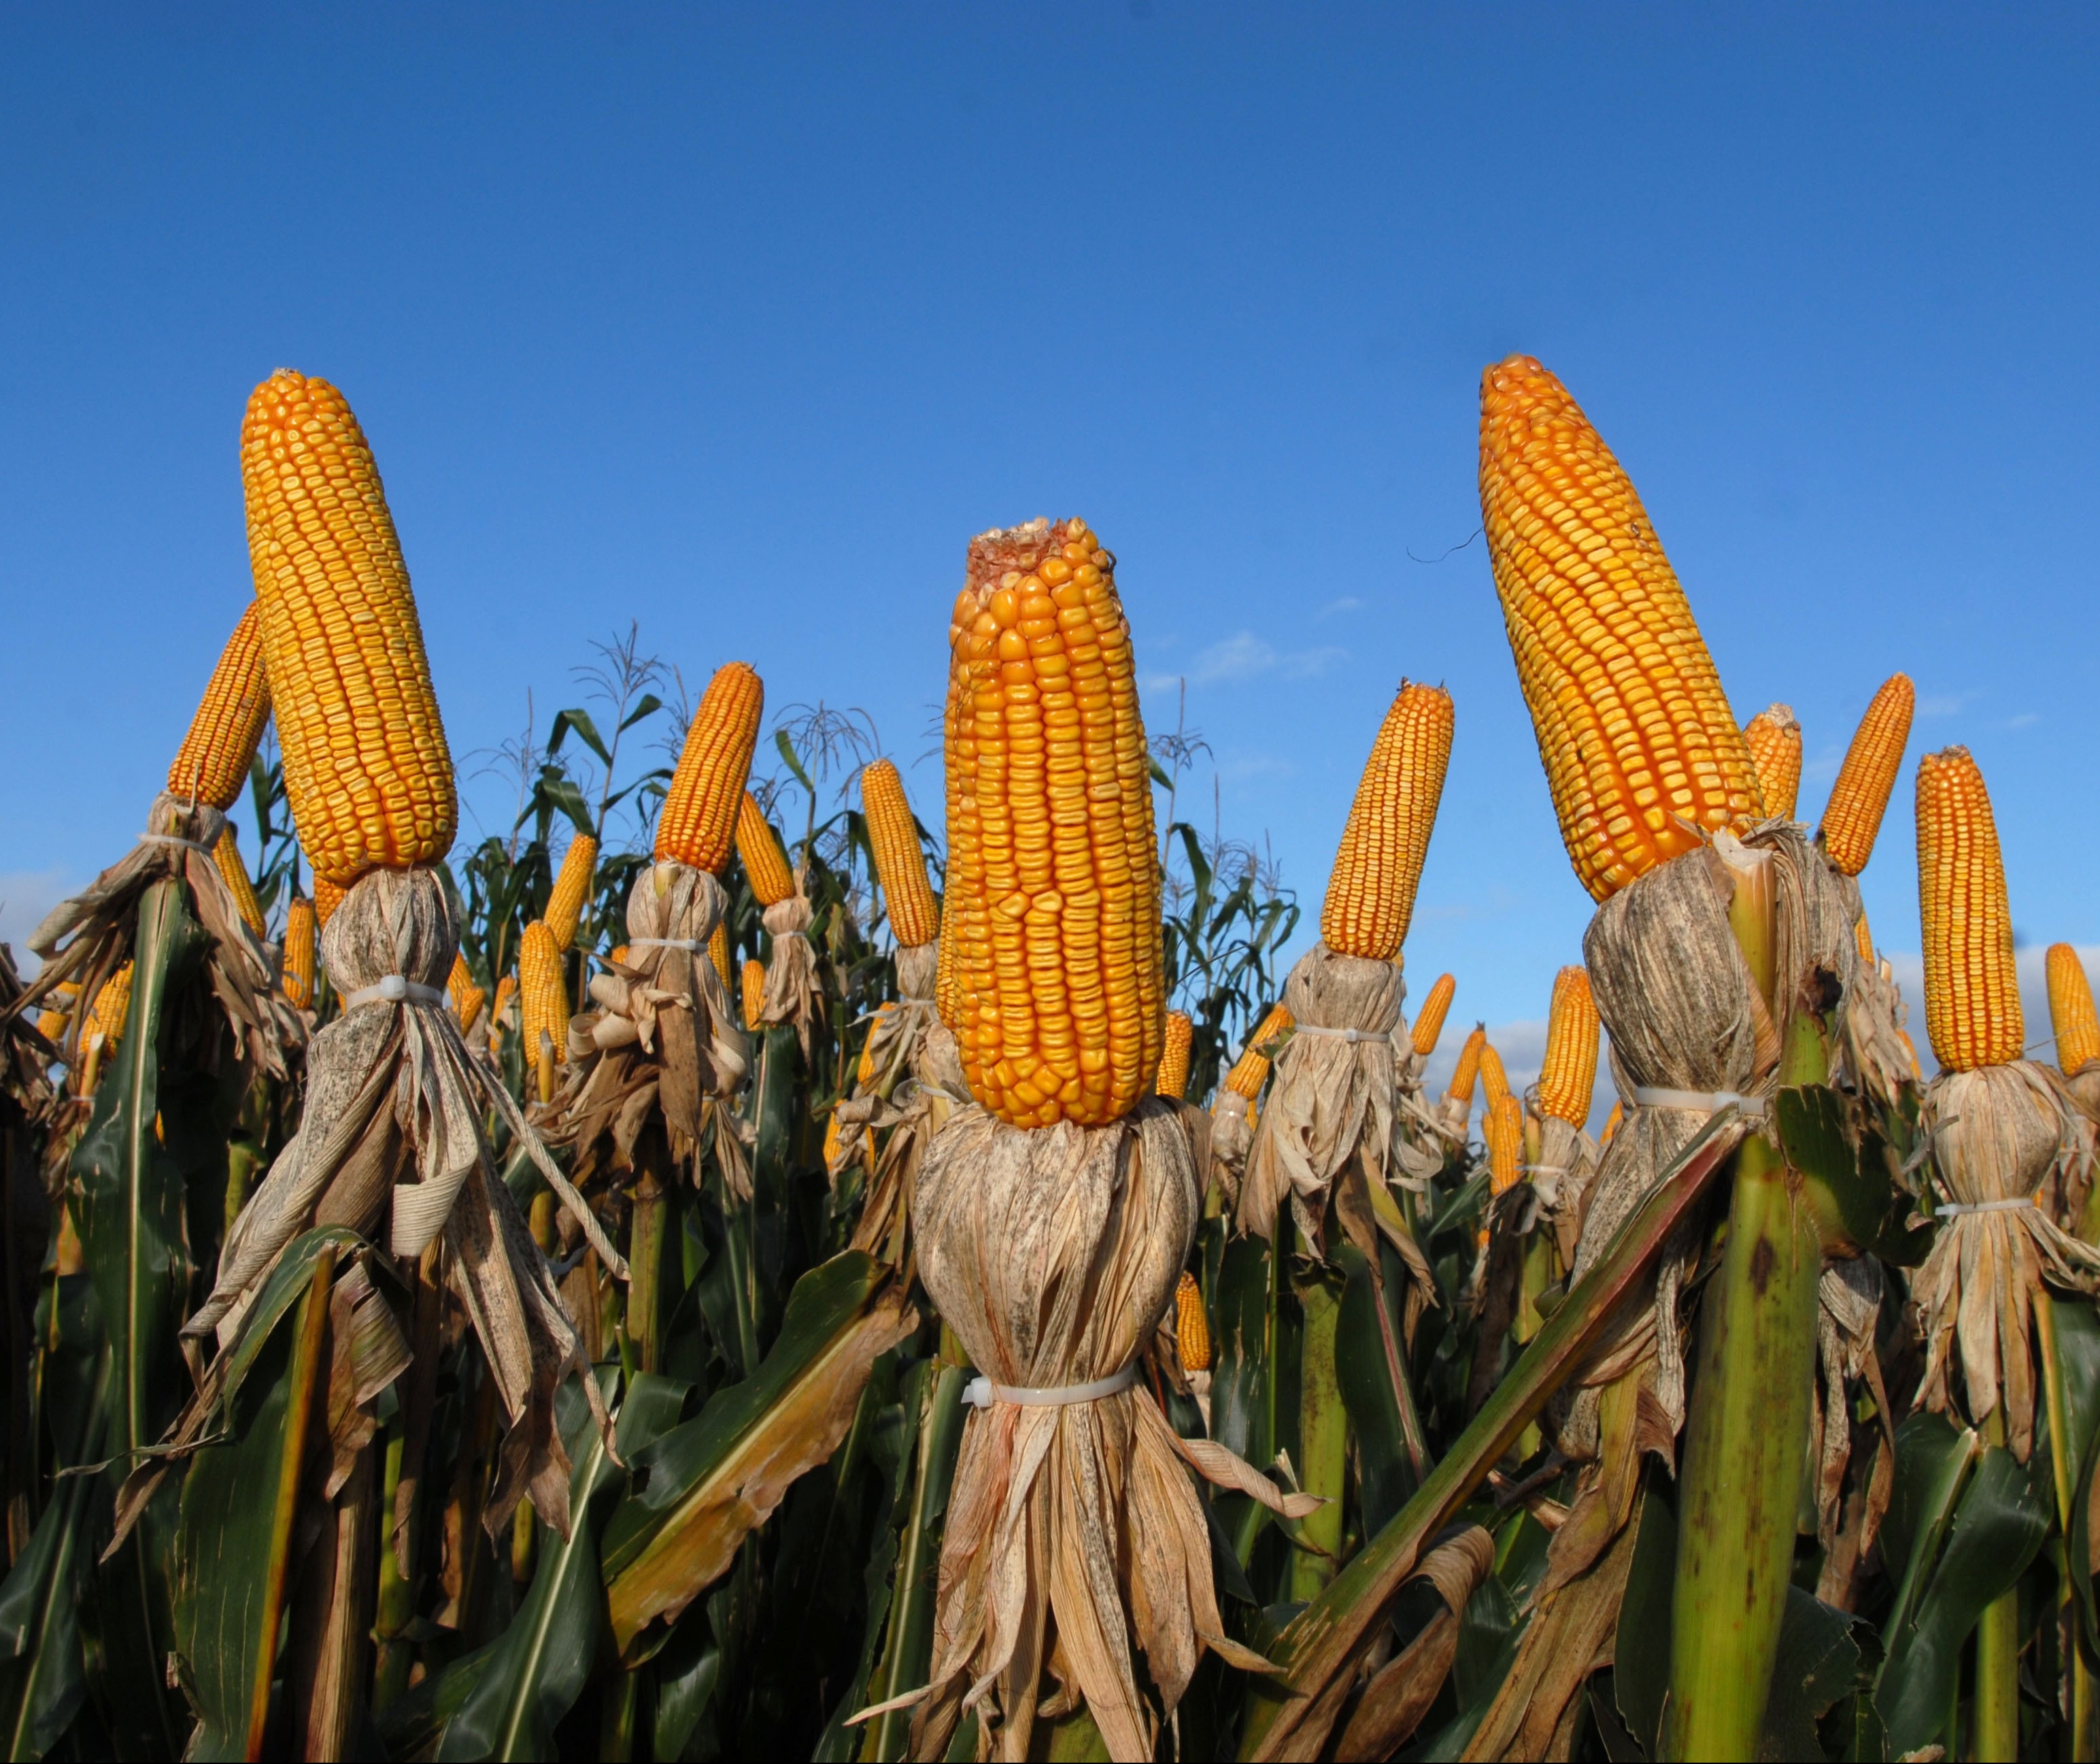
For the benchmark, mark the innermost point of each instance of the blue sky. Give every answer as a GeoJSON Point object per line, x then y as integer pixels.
{"type": "Point", "coordinates": [739, 321]}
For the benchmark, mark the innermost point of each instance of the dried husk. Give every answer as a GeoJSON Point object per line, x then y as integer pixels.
{"type": "Point", "coordinates": [793, 994]}
{"type": "Point", "coordinates": [915, 1084]}
{"type": "Point", "coordinates": [392, 1092]}
{"type": "Point", "coordinates": [1332, 1102]}
{"type": "Point", "coordinates": [1073, 1530]}
{"type": "Point", "coordinates": [1848, 1315]}
{"type": "Point", "coordinates": [1871, 1058]}
{"type": "Point", "coordinates": [1560, 1181]}
{"type": "Point", "coordinates": [1998, 1134]}
{"type": "Point", "coordinates": [1232, 1138]}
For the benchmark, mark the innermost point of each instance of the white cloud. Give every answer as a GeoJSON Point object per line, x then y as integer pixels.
{"type": "Point", "coordinates": [1245, 656]}
{"type": "Point", "coordinates": [2026, 719]}
{"type": "Point", "coordinates": [1335, 608]}
{"type": "Point", "coordinates": [1947, 704]}
{"type": "Point", "coordinates": [25, 897]}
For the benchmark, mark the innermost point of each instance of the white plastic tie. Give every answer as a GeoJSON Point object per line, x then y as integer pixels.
{"type": "Point", "coordinates": [1544, 1169]}
{"type": "Point", "coordinates": [690, 946]}
{"type": "Point", "coordinates": [1955, 1209]}
{"type": "Point", "coordinates": [1346, 1034]}
{"type": "Point", "coordinates": [982, 1393]}
{"type": "Point", "coordinates": [395, 989]}
{"type": "Point", "coordinates": [176, 839]}
{"type": "Point", "coordinates": [1711, 1102]}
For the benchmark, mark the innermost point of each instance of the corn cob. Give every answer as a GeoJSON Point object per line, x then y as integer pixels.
{"type": "Point", "coordinates": [1494, 1081]}
{"type": "Point", "coordinates": [944, 983]}
{"type": "Point", "coordinates": [1642, 752]}
{"type": "Point", "coordinates": [1502, 1128]}
{"type": "Point", "coordinates": [764, 862]}
{"type": "Point", "coordinates": [1613, 1121]}
{"type": "Point", "coordinates": [1569, 1076]}
{"type": "Point", "coordinates": [900, 861]}
{"type": "Point", "coordinates": [1972, 994]}
{"type": "Point", "coordinates": [226, 855]}
{"type": "Point", "coordinates": [328, 896]}
{"type": "Point", "coordinates": [754, 994]}
{"type": "Point", "coordinates": [865, 1069]}
{"type": "Point", "coordinates": [1370, 892]}
{"type": "Point", "coordinates": [1054, 871]}
{"type": "Point", "coordinates": [499, 1006]}
{"type": "Point", "coordinates": [1173, 1079]}
{"type": "Point", "coordinates": [831, 1139]}
{"type": "Point", "coordinates": [106, 1016]}
{"type": "Point", "coordinates": [2071, 1014]}
{"type": "Point", "coordinates": [299, 953]}
{"type": "Point", "coordinates": [1852, 819]}
{"type": "Point", "coordinates": [1861, 940]}
{"type": "Point", "coordinates": [1429, 1026]}
{"type": "Point", "coordinates": [1775, 741]}
{"type": "Point", "coordinates": [468, 998]}
{"type": "Point", "coordinates": [618, 958]}
{"type": "Point", "coordinates": [718, 953]}
{"type": "Point", "coordinates": [571, 889]}
{"type": "Point", "coordinates": [366, 766]}
{"type": "Point", "coordinates": [698, 824]}
{"type": "Point", "coordinates": [543, 997]}
{"type": "Point", "coordinates": [51, 1019]}
{"type": "Point", "coordinates": [1191, 1328]}
{"type": "Point", "coordinates": [211, 765]}
{"type": "Point", "coordinates": [1910, 1047]}
{"type": "Point", "coordinates": [1467, 1072]}
{"type": "Point", "coordinates": [1250, 1072]}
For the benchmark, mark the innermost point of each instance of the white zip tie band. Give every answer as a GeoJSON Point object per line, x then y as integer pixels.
{"type": "Point", "coordinates": [1543, 1170]}
{"type": "Point", "coordinates": [690, 946]}
{"type": "Point", "coordinates": [1955, 1209]}
{"type": "Point", "coordinates": [1345, 1034]}
{"type": "Point", "coordinates": [982, 1393]}
{"type": "Point", "coordinates": [1711, 1101]}
{"type": "Point", "coordinates": [176, 839]}
{"type": "Point", "coordinates": [394, 989]}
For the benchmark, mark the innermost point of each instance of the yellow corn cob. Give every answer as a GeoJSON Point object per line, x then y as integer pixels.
{"type": "Point", "coordinates": [944, 983]}
{"type": "Point", "coordinates": [1429, 1025]}
{"type": "Point", "coordinates": [506, 989]}
{"type": "Point", "coordinates": [543, 1000]}
{"type": "Point", "coordinates": [2071, 1014]}
{"type": "Point", "coordinates": [718, 953]}
{"type": "Point", "coordinates": [108, 1015]}
{"type": "Point", "coordinates": [226, 855]}
{"type": "Point", "coordinates": [366, 766]}
{"type": "Point", "coordinates": [1173, 1079]}
{"type": "Point", "coordinates": [1250, 1072]}
{"type": "Point", "coordinates": [1910, 1047]}
{"type": "Point", "coordinates": [832, 1138]}
{"type": "Point", "coordinates": [1467, 1072]}
{"type": "Point", "coordinates": [1370, 891]}
{"type": "Point", "coordinates": [1494, 1081]}
{"type": "Point", "coordinates": [1502, 1128]}
{"type": "Point", "coordinates": [299, 953]}
{"type": "Point", "coordinates": [1852, 820]}
{"type": "Point", "coordinates": [1642, 752]}
{"type": "Point", "coordinates": [1569, 1075]}
{"type": "Point", "coordinates": [754, 994]}
{"type": "Point", "coordinates": [51, 1019]}
{"type": "Point", "coordinates": [1972, 995]}
{"type": "Point", "coordinates": [900, 861]}
{"type": "Point", "coordinates": [468, 998]}
{"type": "Point", "coordinates": [571, 889]}
{"type": "Point", "coordinates": [1618, 1114]}
{"type": "Point", "coordinates": [1053, 880]}
{"type": "Point", "coordinates": [1192, 1327]}
{"type": "Point", "coordinates": [328, 896]}
{"type": "Point", "coordinates": [618, 955]}
{"type": "Point", "coordinates": [211, 765]}
{"type": "Point", "coordinates": [764, 862]}
{"type": "Point", "coordinates": [1775, 741]}
{"type": "Point", "coordinates": [866, 1069]}
{"type": "Point", "coordinates": [1861, 940]}
{"type": "Point", "coordinates": [698, 824]}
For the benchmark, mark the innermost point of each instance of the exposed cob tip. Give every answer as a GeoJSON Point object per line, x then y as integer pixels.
{"type": "Point", "coordinates": [1774, 743]}
{"type": "Point", "coordinates": [1502, 1128]}
{"type": "Point", "coordinates": [698, 824]}
{"type": "Point", "coordinates": [1250, 1072]}
{"type": "Point", "coordinates": [107, 1016]}
{"type": "Point", "coordinates": [468, 998]}
{"type": "Point", "coordinates": [718, 953]}
{"type": "Point", "coordinates": [2071, 1013]}
{"type": "Point", "coordinates": [1370, 891]}
{"type": "Point", "coordinates": [1173, 1079]}
{"type": "Point", "coordinates": [543, 996]}
{"type": "Point", "coordinates": [764, 863]}
{"type": "Point", "coordinates": [211, 765]}
{"type": "Point", "coordinates": [1466, 1074]}
{"type": "Point", "coordinates": [571, 889]}
{"type": "Point", "coordinates": [754, 994]}
{"type": "Point", "coordinates": [1429, 1021]}
{"type": "Point", "coordinates": [233, 870]}
{"type": "Point", "coordinates": [299, 942]}
{"type": "Point", "coordinates": [1972, 995]}
{"type": "Point", "coordinates": [1494, 1080]}
{"type": "Point", "coordinates": [900, 860]}
{"type": "Point", "coordinates": [1192, 1327]}
{"type": "Point", "coordinates": [1642, 753]}
{"type": "Point", "coordinates": [1569, 1078]}
{"type": "Point", "coordinates": [1852, 820]}
{"type": "Point", "coordinates": [366, 765]}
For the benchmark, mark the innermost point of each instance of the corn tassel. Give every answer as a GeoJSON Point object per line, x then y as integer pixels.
{"type": "Point", "coordinates": [1370, 891]}
{"type": "Point", "coordinates": [1852, 820]}
{"type": "Point", "coordinates": [1972, 994]}
{"type": "Point", "coordinates": [1774, 742]}
{"type": "Point", "coordinates": [211, 765]}
{"type": "Point", "coordinates": [698, 824]}
{"type": "Point", "coordinates": [900, 860]}
{"type": "Point", "coordinates": [1569, 1078]}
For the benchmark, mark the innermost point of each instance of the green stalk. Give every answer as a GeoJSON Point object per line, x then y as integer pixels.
{"type": "Point", "coordinates": [644, 1255]}
{"type": "Point", "coordinates": [1997, 1713]}
{"type": "Point", "coordinates": [1323, 1439]}
{"type": "Point", "coordinates": [2061, 1465]}
{"type": "Point", "coordinates": [397, 1593]}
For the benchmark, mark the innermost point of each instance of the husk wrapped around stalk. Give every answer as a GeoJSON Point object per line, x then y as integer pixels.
{"type": "Point", "coordinates": [1423, 1139]}
{"type": "Point", "coordinates": [1232, 1118]}
{"type": "Point", "coordinates": [392, 1146]}
{"type": "Point", "coordinates": [1073, 1531]}
{"type": "Point", "coordinates": [1999, 1133]}
{"type": "Point", "coordinates": [793, 993]}
{"type": "Point", "coordinates": [663, 1041]}
{"type": "Point", "coordinates": [1559, 1180]}
{"type": "Point", "coordinates": [1872, 1057]}
{"type": "Point", "coordinates": [1848, 1315]}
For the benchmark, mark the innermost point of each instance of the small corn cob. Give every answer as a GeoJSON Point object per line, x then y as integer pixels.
{"type": "Point", "coordinates": [328, 896]}
{"type": "Point", "coordinates": [366, 766]}
{"type": "Point", "coordinates": [1852, 820]}
{"type": "Point", "coordinates": [1972, 994]}
{"type": "Point", "coordinates": [1775, 740]}
{"type": "Point", "coordinates": [1250, 1072]}
{"type": "Point", "coordinates": [51, 1019]}
{"type": "Point", "coordinates": [299, 953]}
{"type": "Point", "coordinates": [571, 889]}
{"type": "Point", "coordinates": [1053, 878]}
{"type": "Point", "coordinates": [1861, 942]}
{"type": "Point", "coordinates": [764, 862]}
{"type": "Point", "coordinates": [1429, 1025]}
{"type": "Point", "coordinates": [499, 1006]}
{"type": "Point", "coordinates": [226, 855]}
{"type": "Point", "coordinates": [1502, 1128]}
{"type": "Point", "coordinates": [468, 998]}
{"type": "Point", "coordinates": [1191, 1328]}
{"type": "Point", "coordinates": [2071, 1014]}
{"type": "Point", "coordinates": [1910, 1047]}
{"type": "Point", "coordinates": [1173, 1079]}
{"type": "Point", "coordinates": [865, 1069]}
{"type": "Point", "coordinates": [831, 1139]}
{"type": "Point", "coordinates": [698, 824]}
{"type": "Point", "coordinates": [900, 861]}
{"type": "Point", "coordinates": [1494, 1081]}
{"type": "Point", "coordinates": [1467, 1072]}
{"type": "Point", "coordinates": [1370, 892]}
{"type": "Point", "coordinates": [1617, 1117]}
{"type": "Point", "coordinates": [106, 1016]}
{"type": "Point", "coordinates": [211, 765]}
{"type": "Point", "coordinates": [754, 994]}
{"type": "Point", "coordinates": [1642, 752]}
{"type": "Point", "coordinates": [618, 958]}
{"type": "Point", "coordinates": [1569, 1076]}
{"type": "Point", "coordinates": [718, 953]}
{"type": "Point", "coordinates": [543, 1003]}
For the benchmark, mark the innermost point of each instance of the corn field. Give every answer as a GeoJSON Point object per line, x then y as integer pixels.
{"type": "Point", "coordinates": [758, 1256]}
